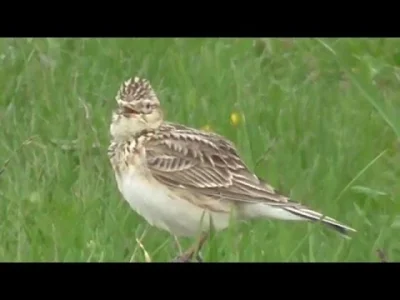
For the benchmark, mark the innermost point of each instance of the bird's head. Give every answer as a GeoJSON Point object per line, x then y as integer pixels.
{"type": "Point", "coordinates": [138, 109]}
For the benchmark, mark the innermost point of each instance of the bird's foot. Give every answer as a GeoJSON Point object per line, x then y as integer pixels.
{"type": "Point", "coordinates": [187, 258]}
{"type": "Point", "coordinates": [184, 258]}
{"type": "Point", "coordinates": [193, 251]}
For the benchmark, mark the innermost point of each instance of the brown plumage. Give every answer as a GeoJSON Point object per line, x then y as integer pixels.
{"type": "Point", "coordinates": [172, 174]}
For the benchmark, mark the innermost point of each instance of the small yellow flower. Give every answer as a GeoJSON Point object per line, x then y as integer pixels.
{"type": "Point", "coordinates": [206, 128]}
{"type": "Point", "coordinates": [236, 118]}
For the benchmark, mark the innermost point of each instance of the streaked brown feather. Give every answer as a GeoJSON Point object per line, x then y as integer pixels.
{"type": "Point", "coordinates": [206, 164]}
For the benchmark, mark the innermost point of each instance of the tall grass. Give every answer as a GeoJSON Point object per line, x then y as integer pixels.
{"type": "Point", "coordinates": [320, 122]}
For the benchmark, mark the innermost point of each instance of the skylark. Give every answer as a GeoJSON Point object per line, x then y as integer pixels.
{"type": "Point", "coordinates": [184, 180]}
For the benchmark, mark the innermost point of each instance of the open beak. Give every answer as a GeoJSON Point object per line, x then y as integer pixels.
{"type": "Point", "coordinates": [129, 111]}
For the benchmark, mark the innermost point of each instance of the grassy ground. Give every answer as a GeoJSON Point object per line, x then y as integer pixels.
{"type": "Point", "coordinates": [321, 123]}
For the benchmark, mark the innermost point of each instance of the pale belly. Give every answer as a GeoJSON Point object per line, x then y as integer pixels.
{"type": "Point", "coordinates": [163, 209]}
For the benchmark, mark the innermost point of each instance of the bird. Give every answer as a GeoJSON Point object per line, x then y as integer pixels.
{"type": "Point", "coordinates": [187, 181]}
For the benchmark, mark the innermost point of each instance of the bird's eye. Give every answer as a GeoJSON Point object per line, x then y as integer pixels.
{"type": "Point", "coordinates": [148, 106]}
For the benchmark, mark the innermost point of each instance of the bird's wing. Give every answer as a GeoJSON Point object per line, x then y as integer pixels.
{"type": "Point", "coordinates": [206, 164]}
{"type": "Point", "coordinates": [209, 165]}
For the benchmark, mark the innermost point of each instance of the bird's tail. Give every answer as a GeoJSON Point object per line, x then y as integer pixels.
{"type": "Point", "coordinates": [311, 215]}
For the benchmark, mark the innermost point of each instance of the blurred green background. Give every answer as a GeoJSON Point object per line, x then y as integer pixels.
{"type": "Point", "coordinates": [318, 118]}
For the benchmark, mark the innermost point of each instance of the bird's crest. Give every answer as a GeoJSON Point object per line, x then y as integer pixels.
{"type": "Point", "coordinates": [133, 90]}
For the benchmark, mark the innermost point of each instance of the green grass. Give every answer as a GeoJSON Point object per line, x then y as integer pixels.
{"type": "Point", "coordinates": [322, 124]}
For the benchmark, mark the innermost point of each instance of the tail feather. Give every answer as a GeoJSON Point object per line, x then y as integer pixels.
{"type": "Point", "coordinates": [315, 216]}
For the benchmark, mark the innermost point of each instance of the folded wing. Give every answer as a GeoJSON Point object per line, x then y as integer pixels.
{"type": "Point", "coordinates": [206, 164]}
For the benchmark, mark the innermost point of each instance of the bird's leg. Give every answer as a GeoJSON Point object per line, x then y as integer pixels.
{"type": "Point", "coordinates": [188, 255]}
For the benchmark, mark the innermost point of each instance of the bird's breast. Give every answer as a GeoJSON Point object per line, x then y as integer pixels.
{"type": "Point", "coordinates": [163, 208]}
